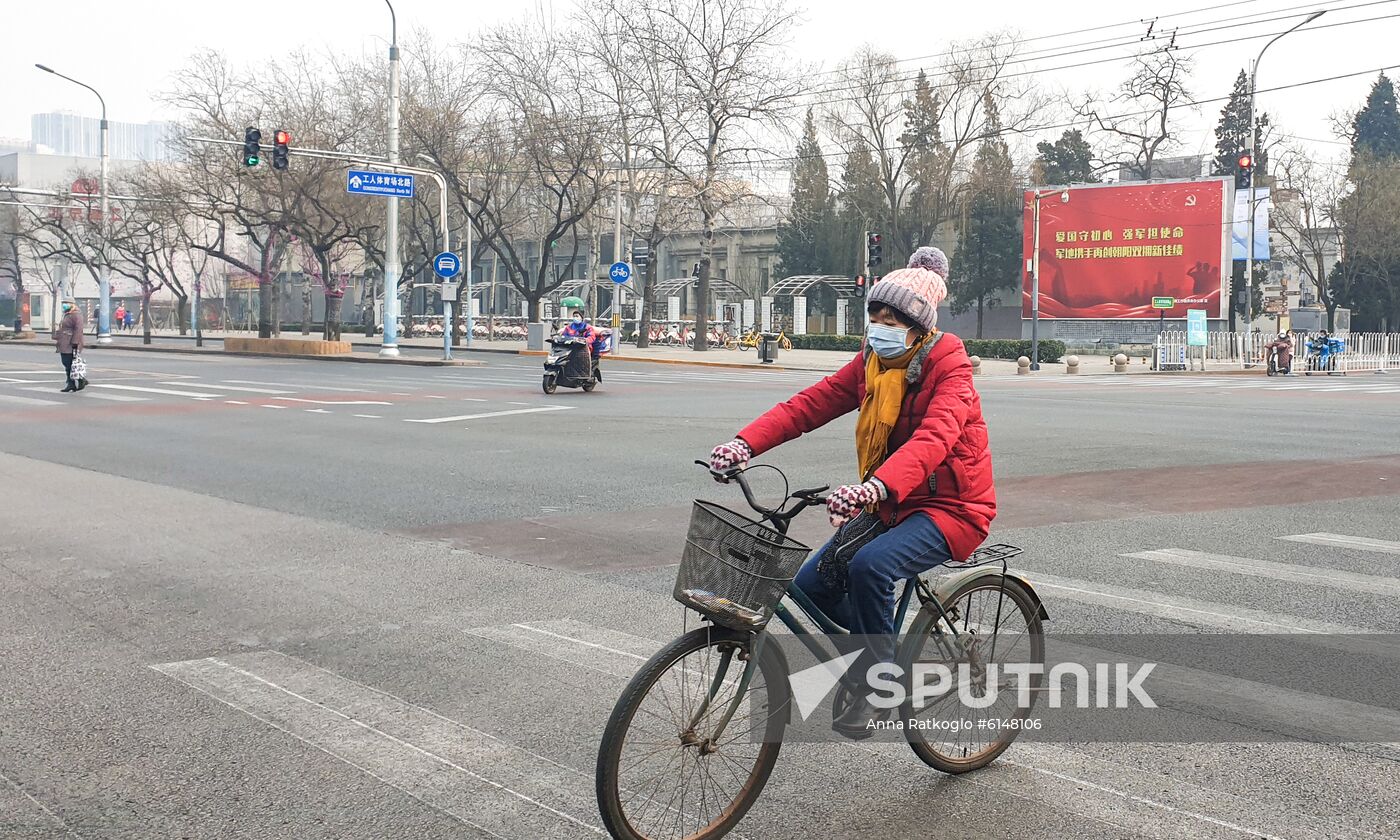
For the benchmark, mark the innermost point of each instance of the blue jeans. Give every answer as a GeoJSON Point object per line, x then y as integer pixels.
{"type": "Point", "coordinates": [867, 607]}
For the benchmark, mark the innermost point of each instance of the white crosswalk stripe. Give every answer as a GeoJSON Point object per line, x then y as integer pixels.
{"type": "Point", "coordinates": [162, 391]}
{"type": "Point", "coordinates": [1138, 802]}
{"type": "Point", "coordinates": [1311, 575]}
{"type": "Point", "coordinates": [469, 775]}
{"type": "Point", "coordinates": [1344, 541]}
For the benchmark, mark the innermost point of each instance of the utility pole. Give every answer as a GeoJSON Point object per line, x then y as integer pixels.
{"type": "Point", "coordinates": [1253, 130]}
{"type": "Point", "coordinates": [391, 217]}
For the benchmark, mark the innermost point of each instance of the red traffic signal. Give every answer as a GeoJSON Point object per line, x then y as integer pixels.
{"type": "Point", "coordinates": [282, 138]}
{"type": "Point", "coordinates": [860, 285]}
{"type": "Point", "coordinates": [1246, 161]}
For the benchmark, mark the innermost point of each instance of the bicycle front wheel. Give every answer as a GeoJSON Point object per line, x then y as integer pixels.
{"type": "Point", "coordinates": [998, 621]}
{"type": "Point", "coordinates": [664, 771]}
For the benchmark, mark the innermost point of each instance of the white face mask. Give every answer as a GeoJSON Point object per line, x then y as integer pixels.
{"type": "Point", "coordinates": [887, 342]}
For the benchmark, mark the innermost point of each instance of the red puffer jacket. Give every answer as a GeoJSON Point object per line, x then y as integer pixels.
{"type": "Point", "coordinates": [939, 463]}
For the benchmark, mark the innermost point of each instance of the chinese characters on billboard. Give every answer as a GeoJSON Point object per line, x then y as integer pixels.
{"type": "Point", "coordinates": [1108, 250]}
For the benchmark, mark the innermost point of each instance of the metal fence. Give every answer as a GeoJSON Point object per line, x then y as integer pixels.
{"type": "Point", "coordinates": [1365, 352]}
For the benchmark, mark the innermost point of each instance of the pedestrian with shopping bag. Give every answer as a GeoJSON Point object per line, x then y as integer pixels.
{"type": "Point", "coordinates": [69, 340]}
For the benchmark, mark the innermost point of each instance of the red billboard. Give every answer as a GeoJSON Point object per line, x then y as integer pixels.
{"type": "Point", "coordinates": [1107, 250]}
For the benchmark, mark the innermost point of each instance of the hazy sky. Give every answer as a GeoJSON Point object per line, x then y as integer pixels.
{"type": "Point", "coordinates": [129, 50]}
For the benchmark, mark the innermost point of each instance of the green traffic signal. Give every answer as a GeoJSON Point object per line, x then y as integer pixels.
{"type": "Point", "coordinates": [251, 160]}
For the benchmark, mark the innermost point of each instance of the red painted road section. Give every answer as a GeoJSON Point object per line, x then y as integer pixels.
{"type": "Point", "coordinates": [651, 537]}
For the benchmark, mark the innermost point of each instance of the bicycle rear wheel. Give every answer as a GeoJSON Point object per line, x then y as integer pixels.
{"type": "Point", "coordinates": [660, 777]}
{"type": "Point", "coordinates": [998, 622]}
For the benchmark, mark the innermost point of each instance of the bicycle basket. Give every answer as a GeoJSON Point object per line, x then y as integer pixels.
{"type": "Point", "coordinates": [735, 570]}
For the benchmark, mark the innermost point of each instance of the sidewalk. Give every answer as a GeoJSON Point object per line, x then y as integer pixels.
{"type": "Point", "coordinates": [417, 352]}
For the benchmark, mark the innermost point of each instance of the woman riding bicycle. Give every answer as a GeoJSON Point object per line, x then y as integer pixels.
{"type": "Point", "coordinates": [925, 494]}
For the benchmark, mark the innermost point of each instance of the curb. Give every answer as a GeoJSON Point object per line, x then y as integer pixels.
{"type": "Point", "coordinates": [696, 363]}
{"type": "Point", "coordinates": [200, 352]}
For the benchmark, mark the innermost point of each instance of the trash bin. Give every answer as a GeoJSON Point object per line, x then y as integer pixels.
{"type": "Point", "coordinates": [768, 348]}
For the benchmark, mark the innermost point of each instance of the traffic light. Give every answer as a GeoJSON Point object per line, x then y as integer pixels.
{"type": "Point", "coordinates": [874, 250]}
{"type": "Point", "coordinates": [252, 153]}
{"type": "Point", "coordinates": [641, 255]}
{"type": "Point", "coordinates": [860, 285]}
{"type": "Point", "coordinates": [1244, 171]}
{"type": "Point", "coordinates": [280, 139]}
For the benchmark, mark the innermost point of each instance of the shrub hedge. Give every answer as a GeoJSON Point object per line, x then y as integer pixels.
{"type": "Point", "coordinates": [987, 348]}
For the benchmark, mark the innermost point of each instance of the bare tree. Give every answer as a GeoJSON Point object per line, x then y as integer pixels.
{"type": "Point", "coordinates": [732, 80]}
{"type": "Point", "coordinates": [1307, 195]}
{"type": "Point", "coordinates": [1146, 100]}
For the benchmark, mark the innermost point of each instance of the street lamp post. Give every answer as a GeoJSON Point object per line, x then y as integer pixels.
{"type": "Point", "coordinates": [1253, 132]}
{"type": "Point", "coordinates": [1035, 270]}
{"type": "Point", "coordinates": [391, 217]}
{"type": "Point", "coordinates": [104, 284]}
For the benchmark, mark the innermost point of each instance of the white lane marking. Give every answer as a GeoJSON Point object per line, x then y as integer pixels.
{"type": "Point", "coordinates": [265, 405]}
{"type": "Point", "coordinates": [370, 416]}
{"type": "Point", "coordinates": [473, 399]}
{"type": "Point", "coordinates": [237, 388]}
{"type": "Point", "coordinates": [333, 402]}
{"type": "Point", "coordinates": [1188, 610]}
{"type": "Point", "coordinates": [235, 402]}
{"type": "Point", "coordinates": [316, 411]}
{"type": "Point", "coordinates": [18, 400]}
{"type": "Point", "coordinates": [1344, 541]}
{"type": "Point", "coordinates": [300, 385]}
{"type": "Point", "coordinates": [25, 372]}
{"type": "Point", "coordinates": [164, 391]}
{"type": "Point", "coordinates": [403, 745]}
{"type": "Point", "coordinates": [494, 414]}
{"type": "Point", "coordinates": [623, 665]}
{"type": "Point", "coordinates": [204, 399]}
{"type": "Point", "coordinates": [1316, 575]}
{"type": "Point", "coordinates": [93, 395]}
{"type": "Point", "coordinates": [13, 381]}
{"type": "Point", "coordinates": [435, 396]}
{"type": "Point", "coordinates": [516, 403]}
{"type": "Point", "coordinates": [14, 820]}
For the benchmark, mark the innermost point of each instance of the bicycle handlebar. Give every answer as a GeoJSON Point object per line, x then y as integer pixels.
{"type": "Point", "coordinates": [803, 498]}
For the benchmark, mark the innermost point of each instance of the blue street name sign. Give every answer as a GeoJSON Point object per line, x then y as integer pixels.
{"type": "Point", "coordinates": [447, 265]}
{"type": "Point", "coordinates": [363, 182]}
{"type": "Point", "coordinates": [620, 272]}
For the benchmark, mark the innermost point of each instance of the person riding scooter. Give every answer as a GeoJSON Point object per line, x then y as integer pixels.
{"type": "Point", "coordinates": [1281, 354]}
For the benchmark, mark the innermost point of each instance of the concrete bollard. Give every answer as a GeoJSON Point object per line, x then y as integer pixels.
{"type": "Point", "coordinates": [1072, 364]}
{"type": "Point", "coordinates": [1120, 363]}
{"type": "Point", "coordinates": [976, 364]}
{"type": "Point", "coordinates": [1023, 366]}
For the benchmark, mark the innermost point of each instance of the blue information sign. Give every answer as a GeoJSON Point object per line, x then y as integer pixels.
{"type": "Point", "coordinates": [364, 182]}
{"type": "Point", "coordinates": [1196, 328]}
{"type": "Point", "coordinates": [620, 272]}
{"type": "Point", "coordinates": [447, 265]}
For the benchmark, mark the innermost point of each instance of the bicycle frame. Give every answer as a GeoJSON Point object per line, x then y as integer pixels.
{"type": "Point", "coordinates": [780, 519]}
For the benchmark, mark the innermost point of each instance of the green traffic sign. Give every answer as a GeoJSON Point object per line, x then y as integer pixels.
{"type": "Point", "coordinates": [1163, 302]}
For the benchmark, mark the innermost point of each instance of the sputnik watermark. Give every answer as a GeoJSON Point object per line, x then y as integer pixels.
{"type": "Point", "coordinates": [1110, 686]}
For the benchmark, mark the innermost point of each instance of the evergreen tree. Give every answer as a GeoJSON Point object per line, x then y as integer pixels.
{"type": "Point", "coordinates": [989, 252]}
{"type": "Point", "coordinates": [1232, 133]}
{"type": "Point", "coordinates": [927, 164]}
{"type": "Point", "coordinates": [1068, 160]}
{"type": "Point", "coordinates": [1376, 127]}
{"type": "Point", "coordinates": [804, 241]}
{"type": "Point", "coordinates": [862, 205]}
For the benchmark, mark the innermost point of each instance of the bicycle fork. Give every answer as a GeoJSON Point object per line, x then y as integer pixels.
{"type": "Point", "coordinates": [711, 744]}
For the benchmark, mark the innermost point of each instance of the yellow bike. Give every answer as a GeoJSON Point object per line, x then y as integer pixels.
{"type": "Point", "coordinates": [751, 339]}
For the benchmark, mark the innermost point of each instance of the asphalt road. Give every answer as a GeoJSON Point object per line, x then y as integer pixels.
{"type": "Point", "coordinates": [258, 598]}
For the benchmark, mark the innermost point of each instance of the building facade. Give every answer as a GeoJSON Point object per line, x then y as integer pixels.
{"type": "Point", "coordinates": [80, 136]}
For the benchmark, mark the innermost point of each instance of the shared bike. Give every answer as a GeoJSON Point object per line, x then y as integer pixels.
{"type": "Point", "coordinates": [695, 735]}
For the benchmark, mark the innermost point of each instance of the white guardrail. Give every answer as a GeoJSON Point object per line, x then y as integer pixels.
{"type": "Point", "coordinates": [1364, 353]}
